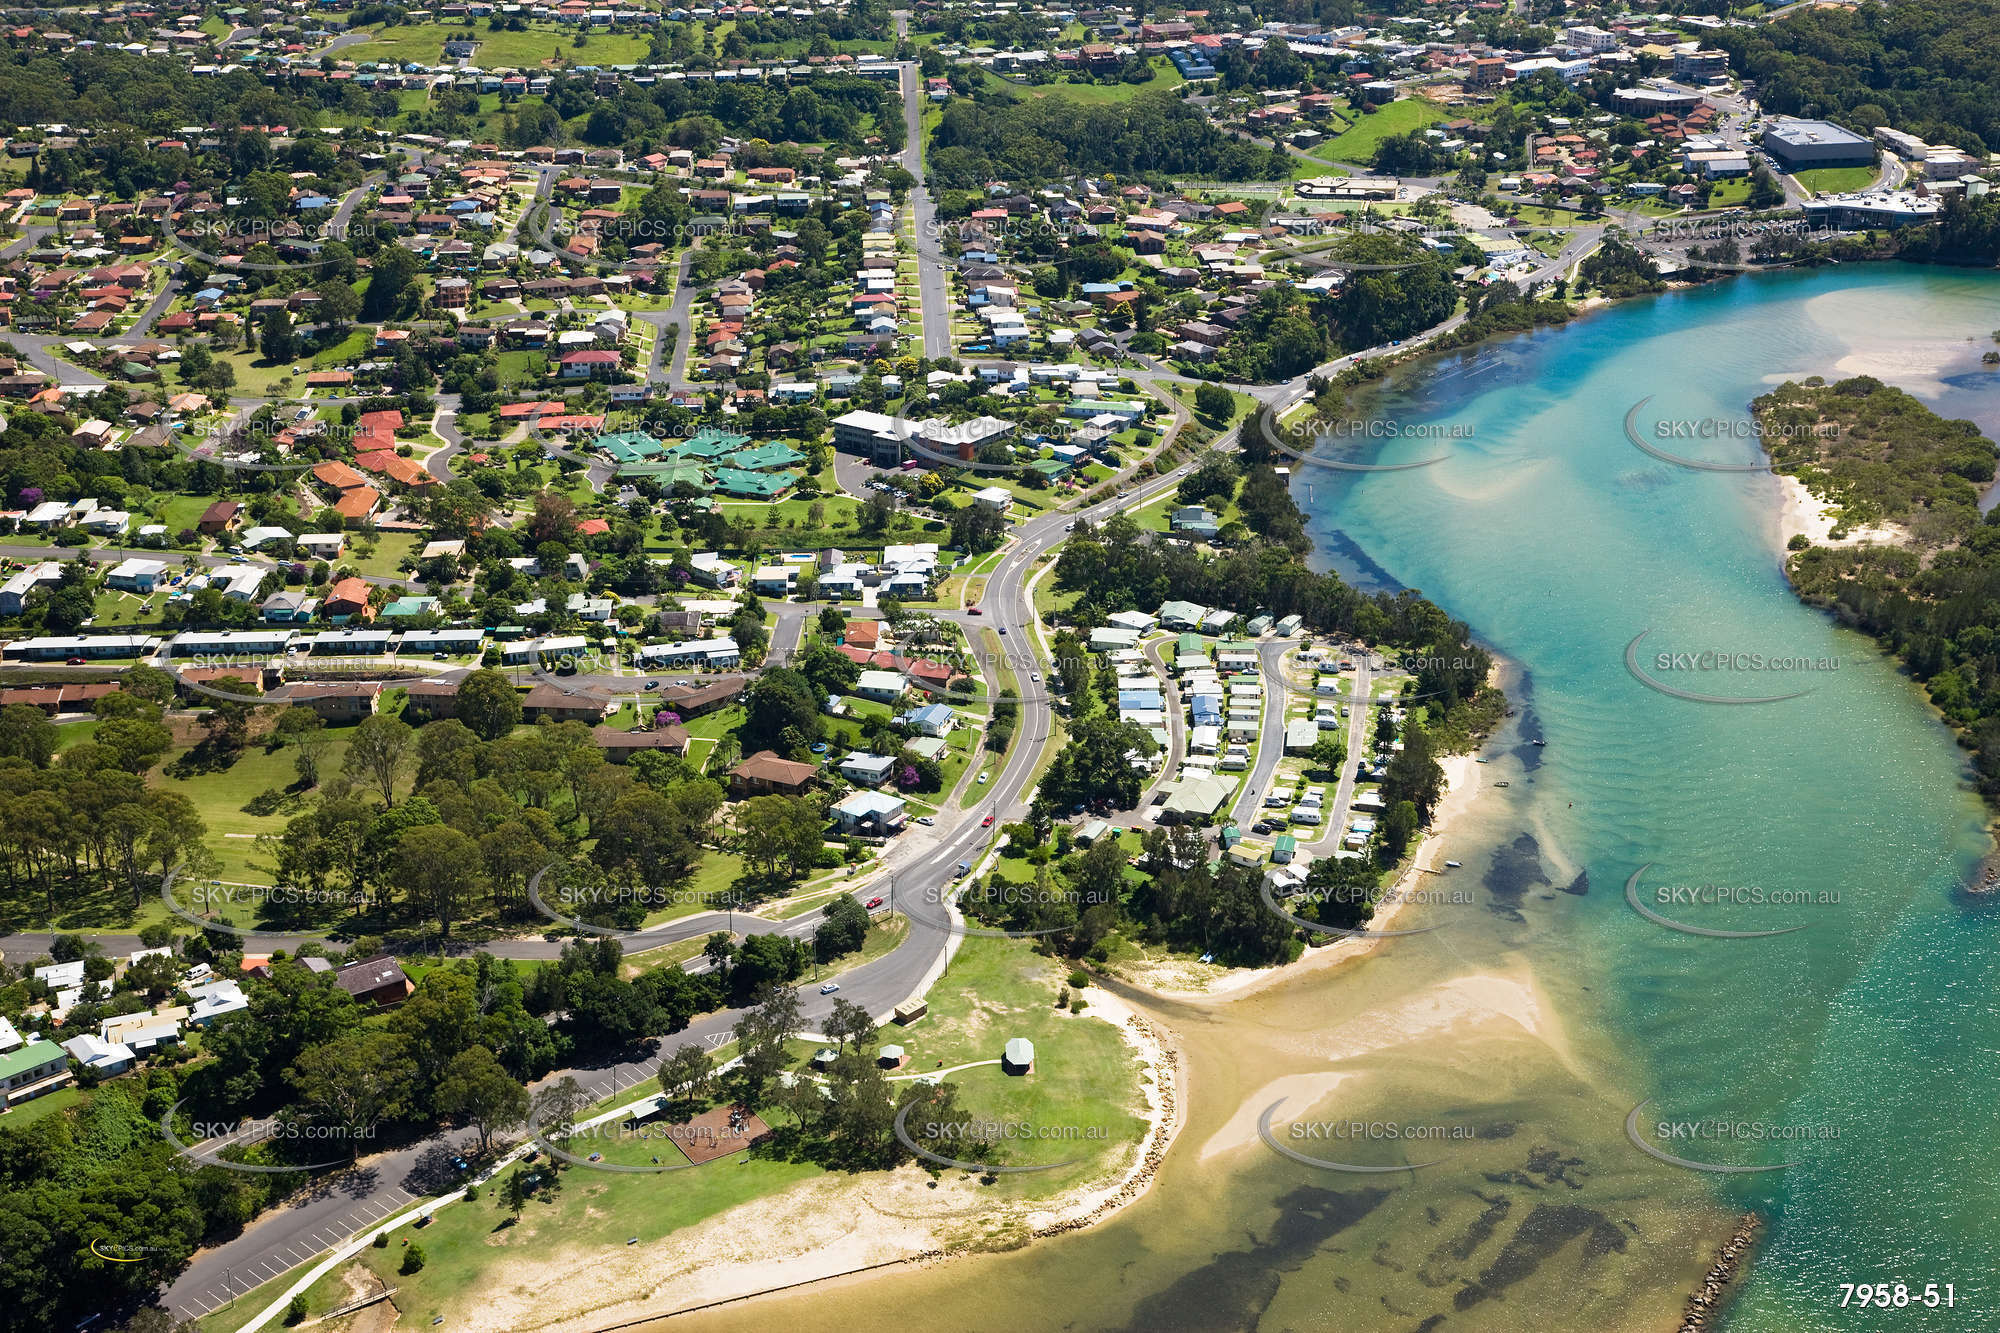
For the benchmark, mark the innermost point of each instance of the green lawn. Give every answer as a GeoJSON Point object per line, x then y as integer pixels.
{"type": "Point", "coordinates": [181, 512]}
{"type": "Point", "coordinates": [221, 795]}
{"type": "Point", "coordinates": [424, 42]}
{"type": "Point", "coordinates": [1097, 94]}
{"type": "Point", "coordinates": [1359, 143]}
{"type": "Point", "coordinates": [1729, 193]}
{"type": "Point", "coordinates": [1084, 1080]}
{"type": "Point", "coordinates": [1307, 165]}
{"type": "Point", "coordinates": [256, 377]}
{"type": "Point", "coordinates": [1836, 180]}
{"type": "Point", "coordinates": [1242, 403]}
{"type": "Point", "coordinates": [356, 344]}
{"type": "Point", "coordinates": [391, 548]}
{"type": "Point", "coordinates": [1157, 515]}
{"type": "Point", "coordinates": [48, 1105]}
{"type": "Point", "coordinates": [112, 608]}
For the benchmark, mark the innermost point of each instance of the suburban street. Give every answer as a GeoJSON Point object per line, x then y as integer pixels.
{"type": "Point", "coordinates": [916, 874]}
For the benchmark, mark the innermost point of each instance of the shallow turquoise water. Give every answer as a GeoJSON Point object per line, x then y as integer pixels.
{"type": "Point", "coordinates": [1559, 541]}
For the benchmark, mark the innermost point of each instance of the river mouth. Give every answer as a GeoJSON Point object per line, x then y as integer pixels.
{"type": "Point", "coordinates": [1540, 1015]}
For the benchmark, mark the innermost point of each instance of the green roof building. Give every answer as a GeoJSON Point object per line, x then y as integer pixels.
{"type": "Point", "coordinates": [669, 473]}
{"type": "Point", "coordinates": [410, 606]}
{"type": "Point", "coordinates": [630, 446]}
{"type": "Point", "coordinates": [751, 485]}
{"type": "Point", "coordinates": [765, 457]}
{"type": "Point", "coordinates": [710, 443]}
{"type": "Point", "coordinates": [28, 1071]}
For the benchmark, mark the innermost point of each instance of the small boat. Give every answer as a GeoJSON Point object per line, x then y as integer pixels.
{"type": "Point", "coordinates": [1501, 784]}
{"type": "Point", "coordinates": [1538, 742]}
{"type": "Point", "coordinates": [1451, 865]}
{"type": "Point", "coordinates": [1481, 761]}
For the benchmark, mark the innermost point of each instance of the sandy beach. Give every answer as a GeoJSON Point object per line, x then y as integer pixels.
{"type": "Point", "coordinates": [1512, 999]}
{"type": "Point", "coordinates": [1801, 513]}
{"type": "Point", "coordinates": [835, 1225]}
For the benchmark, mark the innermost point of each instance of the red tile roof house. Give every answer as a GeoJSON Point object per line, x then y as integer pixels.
{"type": "Point", "coordinates": [349, 597]}
{"type": "Point", "coordinates": [395, 467]}
{"type": "Point", "coordinates": [588, 365]}
{"type": "Point", "coordinates": [357, 503]}
{"type": "Point", "coordinates": [338, 475]}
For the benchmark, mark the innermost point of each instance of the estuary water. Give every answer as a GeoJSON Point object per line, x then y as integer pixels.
{"type": "Point", "coordinates": [1509, 1046]}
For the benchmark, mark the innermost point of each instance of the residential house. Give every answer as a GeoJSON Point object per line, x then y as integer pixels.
{"type": "Point", "coordinates": [870, 814]}
{"type": "Point", "coordinates": [764, 773]}
{"type": "Point", "coordinates": [378, 981]}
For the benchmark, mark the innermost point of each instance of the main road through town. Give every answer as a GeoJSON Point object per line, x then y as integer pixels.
{"type": "Point", "coordinates": [916, 874]}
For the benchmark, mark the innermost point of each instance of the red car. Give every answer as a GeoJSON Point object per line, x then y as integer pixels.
{"type": "Point", "coordinates": [75, 661]}
{"type": "Point", "coordinates": [974, 611]}
{"type": "Point", "coordinates": [874, 903]}
{"type": "Point", "coordinates": [986, 822]}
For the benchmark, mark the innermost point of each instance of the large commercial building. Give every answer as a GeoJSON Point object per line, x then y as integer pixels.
{"type": "Point", "coordinates": [1800, 145]}
{"type": "Point", "coordinates": [1654, 101]}
{"type": "Point", "coordinates": [1860, 212]}
{"type": "Point", "coordinates": [883, 438]}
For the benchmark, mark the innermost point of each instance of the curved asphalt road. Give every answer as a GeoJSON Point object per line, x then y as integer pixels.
{"type": "Point", "coordinates": [916, 876]}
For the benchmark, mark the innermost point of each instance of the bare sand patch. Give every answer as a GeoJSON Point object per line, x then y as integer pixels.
{"type": "Point", "coordinates": [1241, 1129]}
{"type": "Point", "coordinates": [1801, 512]}
{"type": "Point", "coordinates": [1459, 1002]}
